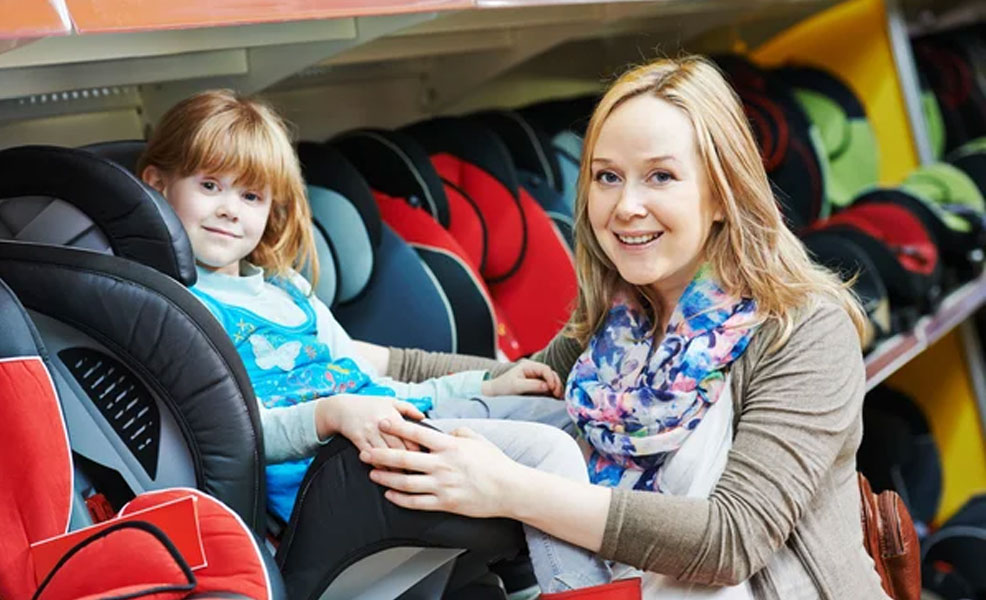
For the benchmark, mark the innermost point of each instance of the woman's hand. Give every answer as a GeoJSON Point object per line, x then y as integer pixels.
{"type": "Point", "coordinates": [357, 418]}
{"type": "Point", "coordinates": [463, 473]}
{"type": "Point", "coordinates": [526, 377]}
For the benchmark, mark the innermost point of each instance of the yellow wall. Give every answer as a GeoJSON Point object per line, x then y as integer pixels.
{"type": "Point", "coordinates": [851, 40]}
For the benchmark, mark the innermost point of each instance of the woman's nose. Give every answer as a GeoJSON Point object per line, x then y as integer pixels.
{"type": "Point", "coordinates": [630, 204]}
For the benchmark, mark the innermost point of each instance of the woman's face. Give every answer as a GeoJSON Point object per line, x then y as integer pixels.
{"type": "Point", "coordinates": [649, 201]}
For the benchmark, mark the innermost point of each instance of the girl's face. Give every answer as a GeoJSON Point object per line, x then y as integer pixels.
{"type": "Point", "coordinates": [224, 221]}
{"type": "Point", "coordinates": [649, 202]}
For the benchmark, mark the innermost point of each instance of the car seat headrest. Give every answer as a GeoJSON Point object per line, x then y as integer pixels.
{"type": "Point", "coordinates": [326, 167]}
{"type": "Point", "coordinates": [846, 134]}
{"type": "Point", "coordinates": [530, 148]}
{"type": "Point", "coordinates": [972, 161]}
{"type": "Point", "coordinates": [554, 116]}
{"type": "Point", "coordinates": [125, 153]}
{"type": "Point", "coordinates": [468, 140]}
{"type": "Point", "coordinates": [340, 225]}
{"type": "Point", "coordinates": [136, 221]}
{"type": "Point", "coordinates": [393, 163]}
{"type": "Point", "coordinates": [947, 186]}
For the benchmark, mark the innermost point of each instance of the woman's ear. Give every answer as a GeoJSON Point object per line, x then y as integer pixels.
{"type": "Point", "coordinates": [718, 215]}
{"type": "Point", "coordinates": [155, 178]}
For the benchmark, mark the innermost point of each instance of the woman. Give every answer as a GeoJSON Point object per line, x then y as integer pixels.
{"type": "Point", "coordinates": [714, 369]}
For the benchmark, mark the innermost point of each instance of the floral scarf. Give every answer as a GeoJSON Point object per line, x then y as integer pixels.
{"type": "Point", "coordinates": [637, 402]}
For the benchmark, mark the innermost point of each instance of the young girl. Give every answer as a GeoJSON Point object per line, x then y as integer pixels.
{"type": "Point", "coordinates": [227, 167]}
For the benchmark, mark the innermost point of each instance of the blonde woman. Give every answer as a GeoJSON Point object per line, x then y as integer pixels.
{"type": "Point", "coordinates": [713, 369]}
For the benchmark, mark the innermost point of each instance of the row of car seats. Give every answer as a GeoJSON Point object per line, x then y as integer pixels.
{"type": "Point", "coordinates": [497, 239]}
{"type": "Point", "coordinates": [155, 396]}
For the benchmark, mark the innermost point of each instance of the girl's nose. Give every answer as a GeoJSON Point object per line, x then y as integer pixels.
{"type": "Point", "coordinates": [228, 207]}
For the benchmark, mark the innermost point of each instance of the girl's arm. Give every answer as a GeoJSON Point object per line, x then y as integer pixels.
{"type": "Point", "coordinates": [376, 356]}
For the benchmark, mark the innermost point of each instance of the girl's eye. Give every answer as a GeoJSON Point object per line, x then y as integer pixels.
{"type": "Point", "coordinates": [662, 176]}
{"type": "Point", "coordinates": [607, 177]}
{"type": "Point", "coordinates": [252, 197]}
{"type": "Point", "coordinates": [209, 186]}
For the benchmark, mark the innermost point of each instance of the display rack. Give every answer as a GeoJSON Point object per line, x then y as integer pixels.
{"type": "Point", "coordinates": [893, 353]}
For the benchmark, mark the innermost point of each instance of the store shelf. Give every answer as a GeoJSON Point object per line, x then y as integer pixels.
{"type": "Point", "coordinates": [104, 16]}
{"type": "Point", "coordinates": [31, 18]}
{"type": "Point", "coordinates": [895, 352]}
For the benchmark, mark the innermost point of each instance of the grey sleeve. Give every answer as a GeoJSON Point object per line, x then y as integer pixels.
{"type": "Point", "coordinates": [407, 364]}
{"type": "Point", "coordinates": [800, 405]}
{"type": "Point", "coordinates": [289, 432]}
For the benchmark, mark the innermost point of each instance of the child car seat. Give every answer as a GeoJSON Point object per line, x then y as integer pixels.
{"type": "Point", "coordinates": [846, 134]}
{"type": "Point", "coordinates": [565, 122]}
{"type": "Point", "coordinates": [959, 250]}
{"type": "Point", "coordinates": [971, 158]}
{"type": "Point", "coordinates": [899, 453]}
{"type": "Point", "coordinates": [190, 418]}
{"type": "Point", "coordinates": [128, 559]}
{"type": "Point", "coordinates": [848, 260]}
{"type": "Point", "coordinates": [950, 76]}
{"type": "Point", "coordinates": [960, 205]}
{"type": "Point", "coordinates": [952, 556]}
{"type": "Point", "coordinates": [530, 269]}
{"type": "Point", "coordinates": [790, 145]}
{"type": "Point", "coordinates": [538, 168]}
{"type": "Point", "coordinates": [903, 251]}
{"type": "Point", "coordinates": [463, 298]}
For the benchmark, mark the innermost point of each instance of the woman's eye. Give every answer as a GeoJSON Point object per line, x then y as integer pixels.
{"type": "Point", "coordinates": [662, 176]}
{"type": "Point", "coordinates": [607, 177]}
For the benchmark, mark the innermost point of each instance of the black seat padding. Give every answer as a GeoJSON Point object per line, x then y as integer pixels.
{"type": "Point", "coordinates": [138, 223]}
{"type": "Point", "coordinates": [171, 342]}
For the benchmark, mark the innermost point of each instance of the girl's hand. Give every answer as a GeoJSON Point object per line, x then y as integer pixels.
{"type": "Point", "coordinates": [526, 377]}
{"type": "Point", "coordinates": [463, 473]}
{"type": "Point", "coordinates": [357, 418]}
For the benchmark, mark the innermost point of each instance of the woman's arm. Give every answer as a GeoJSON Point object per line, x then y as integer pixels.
{"type": "Point", "coordinates": [801, 404]}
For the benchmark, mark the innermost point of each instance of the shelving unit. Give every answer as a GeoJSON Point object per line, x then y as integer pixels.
{"type": "Point", "coordinates": [895, 352]}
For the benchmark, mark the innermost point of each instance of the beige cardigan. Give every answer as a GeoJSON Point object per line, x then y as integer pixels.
{"type": "Point", "coordinates": [785, 513]}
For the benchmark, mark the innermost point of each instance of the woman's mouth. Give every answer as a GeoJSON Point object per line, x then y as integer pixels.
{"type": "Point", "coordinates": [638, 240]}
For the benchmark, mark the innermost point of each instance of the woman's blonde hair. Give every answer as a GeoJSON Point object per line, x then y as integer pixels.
{"type": "Point", "coordinates": [220, 133]}
{"type": "Point", "coordinates": [752, 252]}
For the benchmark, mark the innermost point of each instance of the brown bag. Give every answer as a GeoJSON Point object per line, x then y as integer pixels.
{"type": "Point", "coordinates": [891, 541]}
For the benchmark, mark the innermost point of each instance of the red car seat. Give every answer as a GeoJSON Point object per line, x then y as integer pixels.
{"type": "Point", "coordinates": [133, 559]}
{"type": "Point", "coordinates": [530, 269]}
{"type": "Point", "coordinates": [903, 250]}
{"type": "Point", "coordinates": [410, 198]}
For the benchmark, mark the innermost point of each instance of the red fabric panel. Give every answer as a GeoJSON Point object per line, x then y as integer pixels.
{"type": "Point", "coordinates": [466, 226]}
{"type": "Point", "coordinates": [539, 297]}
{"type": "Point", "coordinates": [36, 470]}
{"type": "Point", "coordinates": [898, 228]}
{"type": "Point", "coordinates": [124, 561]}
{"type": "Point", "coordinates": [504, 221]}
{"type": "Point", "coordinates": [230, 548]}
{"type": "Point", "coordinates": [416, 226]}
